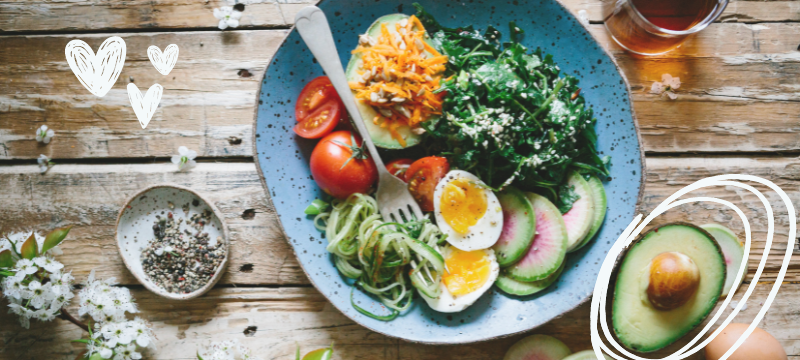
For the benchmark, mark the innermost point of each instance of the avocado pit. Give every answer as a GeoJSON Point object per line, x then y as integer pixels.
{"type": "Point", "coordinates": [674, 279]}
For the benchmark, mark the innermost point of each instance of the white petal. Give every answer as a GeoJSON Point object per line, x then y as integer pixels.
{"type": "Point", "coordinates": [672, 95]}
{"type": "Point", "coordinates": [657, 88]}
{"type": "Point", "coordinates": [236, 15]}
{"type": "Point", "coordinates": [106, 353]}
{"type": "Point", "coordinates": [222, 25]}
{"type": "Point", "coordinates": [176, 159]}
{"type": "Point", "coordinates": [183, 150]}
{"type": "Point", "coordinates": [233, 23]}
{"type": "Point", "coordinates": [666, 78]}
{"type": "Point", "coordinates": [143, 340]}
{"type": "Point", "coordinates": [676, 83]}
{"type": "Point", "coordinates": [217, 13]}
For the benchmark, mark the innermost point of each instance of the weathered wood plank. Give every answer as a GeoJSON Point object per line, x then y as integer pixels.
{"type": "Point", "coordinates": [288, 316]}
{"type": "Point", "coordinates": [207, 104]}
{"type": "Point", "coordinates": [90, 196]}
{"type": "Point", "coordinates": [20, 15]}
{"type": "Point", "coordinates": [119, 15]}
{"type": "Point", "coordinates": [208, 100]}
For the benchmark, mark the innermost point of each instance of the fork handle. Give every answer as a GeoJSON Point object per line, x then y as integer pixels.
{"type": "Point", "coordinates": [313, 27]}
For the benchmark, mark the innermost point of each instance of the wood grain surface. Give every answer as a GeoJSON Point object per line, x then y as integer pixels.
{"type": "Point", "coordinates": [209, 97]}
{"type": "Point", "coordinates": [737, 112]}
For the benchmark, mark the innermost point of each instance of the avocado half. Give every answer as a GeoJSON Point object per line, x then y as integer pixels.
{"type": "Point", "coordinates": [381, 136]}
{"type": "Point", "coordinates": [637, 323]}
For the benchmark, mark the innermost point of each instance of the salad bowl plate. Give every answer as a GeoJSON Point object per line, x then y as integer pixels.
{"type": "Point", "coordinates": [282, 160]}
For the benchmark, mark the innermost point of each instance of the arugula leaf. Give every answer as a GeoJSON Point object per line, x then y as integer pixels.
{"type": "Point", "coordinates": [566, 198]}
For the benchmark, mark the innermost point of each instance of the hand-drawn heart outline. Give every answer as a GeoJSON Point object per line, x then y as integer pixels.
{"type": "Point", "coordinates": [97, 73]}
{"type": "Point", "coordinates": [163, 62]}
{"type": "Point", "coordinates": [144, 107]}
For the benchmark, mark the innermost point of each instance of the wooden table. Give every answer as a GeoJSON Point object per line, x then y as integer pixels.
{"type": "Point", "coordinates": [737, 112]}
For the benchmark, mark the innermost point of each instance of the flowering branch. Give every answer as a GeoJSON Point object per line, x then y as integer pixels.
{"type": "Point", "coordinates": [65, 315]}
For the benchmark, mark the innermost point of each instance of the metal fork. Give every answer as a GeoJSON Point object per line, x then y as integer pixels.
{"type": "Point", "coordinates": [394, 200]}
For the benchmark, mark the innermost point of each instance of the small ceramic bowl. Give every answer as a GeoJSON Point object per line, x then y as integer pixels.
{"type": "Point", "coordinates": [135, 230]}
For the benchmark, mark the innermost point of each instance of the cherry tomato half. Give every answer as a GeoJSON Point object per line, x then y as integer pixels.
{"type": "Point", "coordinates": [422, 177]}
{"type": "Point", "coordinates": [398, 167]}
{"type": "Point", "coordinates": [320, 122]}
{"type": "Point", "coordinates": [317, 92]}
{"type": "Point", "coordinates": [334, 173]}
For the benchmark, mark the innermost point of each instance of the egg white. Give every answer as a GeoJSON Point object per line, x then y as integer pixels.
{"type": "Point", "coordinates": [447, 303]}
{"type": "Point", "coordinates": [485, 232]}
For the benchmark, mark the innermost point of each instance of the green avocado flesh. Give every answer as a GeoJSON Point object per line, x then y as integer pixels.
{"type": "Point", "coordinates": [586, 355]}
{"type": "Point", "coordinates": [520, 288]}
{"type": "Point", "coordinates": [637, 324]}
{"type": "Point", "coordinates": [519, 226]}
{"type": "Point", "coordinates": [733, 250]}
{"type": "Point", "coordinates": [380, 136]}
{"type": "Point", "coordinates": [600, 204]}
{"type": "Point", "coordinates": [538, 347]}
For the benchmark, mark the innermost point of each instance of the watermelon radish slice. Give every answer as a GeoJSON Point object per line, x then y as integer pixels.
{"type": "Point", "coordinates": [586, 355]}
{"type": "Point", "coordinates": [520, 288]}
{"type": "Point", "coordinates": [549, 244]}
{"type": "Point", "coordinates": [519, 226]}
{"type": "Point", "coordinates": [600, 204]}
{"type": "Point", "coordinates": [733, 250]}
{"type": "Point", "coordinates": [580, 218]}
{"type": "Point", "coordinates": [538, 347]}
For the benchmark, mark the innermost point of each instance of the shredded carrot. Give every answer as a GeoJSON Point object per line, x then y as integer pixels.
{"type": "Point", "coordinates": [398, 75]}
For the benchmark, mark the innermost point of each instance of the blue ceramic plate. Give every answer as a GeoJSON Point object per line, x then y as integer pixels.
{"type": "Point", "coordinates": [283, 159]}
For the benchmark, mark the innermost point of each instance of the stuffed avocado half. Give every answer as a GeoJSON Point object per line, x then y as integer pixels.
{"type": "Point", "coordinates": [667, 284]}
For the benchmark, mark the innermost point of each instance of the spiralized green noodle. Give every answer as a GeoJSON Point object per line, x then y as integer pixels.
{"type": "Point", "coordinates": [378, 254]}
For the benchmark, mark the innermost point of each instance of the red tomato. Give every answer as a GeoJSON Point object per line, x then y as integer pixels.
{"type": "Point", "coordinates": [334, 173]}
{"type": "Point", "coordinates": [317, 92]}
{"type": "Point", "coordinates": [422, 177]}
{"type": "Point", "coordinates": [398, 167]}
{"type": "Point", "coordinates": [320, 122]}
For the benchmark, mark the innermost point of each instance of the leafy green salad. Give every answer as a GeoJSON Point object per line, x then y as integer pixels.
{"type": "Point", "coordinates": [509, 117]}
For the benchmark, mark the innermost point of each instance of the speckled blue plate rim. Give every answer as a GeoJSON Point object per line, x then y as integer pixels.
{"type": "Point", "coordinates": [385, 328]}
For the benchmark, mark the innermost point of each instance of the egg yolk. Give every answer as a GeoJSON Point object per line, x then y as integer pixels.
{"type": "Point", "coordinates": [462, 204]}
{"type": "Point", "coordinates": [466, 271]}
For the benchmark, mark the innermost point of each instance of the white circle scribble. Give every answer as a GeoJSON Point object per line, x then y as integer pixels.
{"type": "Point", "coordinates": [598, 312]}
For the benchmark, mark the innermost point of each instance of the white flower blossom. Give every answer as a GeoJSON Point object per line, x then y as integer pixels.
{"type": "Point", "coordinates": [228, 17]}
{"type": "Point", "coordinates": [43, 135]}
{"type": "Point", "coordinates": [185, 159]}
{"type": "Point", "coordinates": [583, 17]}
{"type": "Point", "coordinates": [105, 303]}
{"type": "Point", "coordinates": [36, 292]}
{"type": "Point", "coordinates": [226, 350]}
{"type": "Point", "coordinates": [667, 86]}
{"type": "Point", "coordinates": [44, 163]}
{"type": "Point", "coordinates": [48, 264]}
{"type": "Point", "coordinates": [122, 340]}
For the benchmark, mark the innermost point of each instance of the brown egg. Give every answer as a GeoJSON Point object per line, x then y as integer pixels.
{"type": "Point", "coordinates": [759, 345]}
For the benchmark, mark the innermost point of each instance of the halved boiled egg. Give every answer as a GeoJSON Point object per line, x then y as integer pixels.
{"type": "Point", "coordinates": [467, 211]}
{"type": "Point", "coordinates": [467, 276]}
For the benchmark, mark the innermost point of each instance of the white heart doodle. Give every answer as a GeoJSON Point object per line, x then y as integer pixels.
{"type": "Point", "coordinates": [99, 72]}
{"type": "Point", "coordinates": [163, 62]}
{"type": "Point", "coordinates": [145, 107]}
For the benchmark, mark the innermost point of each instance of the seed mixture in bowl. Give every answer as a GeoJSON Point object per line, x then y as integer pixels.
{"type": "Point", "coordinates": [182, 261]}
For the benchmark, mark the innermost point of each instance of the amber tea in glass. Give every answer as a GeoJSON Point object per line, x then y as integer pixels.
{"type": "Point", "coordinates": [651, 27]}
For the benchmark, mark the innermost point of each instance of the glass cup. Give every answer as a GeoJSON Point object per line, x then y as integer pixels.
{"type": "Point", "coordinates": [652, 27]}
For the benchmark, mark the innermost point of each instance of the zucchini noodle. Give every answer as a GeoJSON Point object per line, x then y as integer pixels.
{"type": "Point", "coordinates": [386, 259]}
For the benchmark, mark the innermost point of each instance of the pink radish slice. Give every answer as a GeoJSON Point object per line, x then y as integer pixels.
{"type": "Point", "coordinates": [538, 347]}
{"type": "Point", "coordinates": [580, 218]}
{"type": "Point", "coordinates": [519, 225]}
{"type": "Point", "coordinates": [549, 246]}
